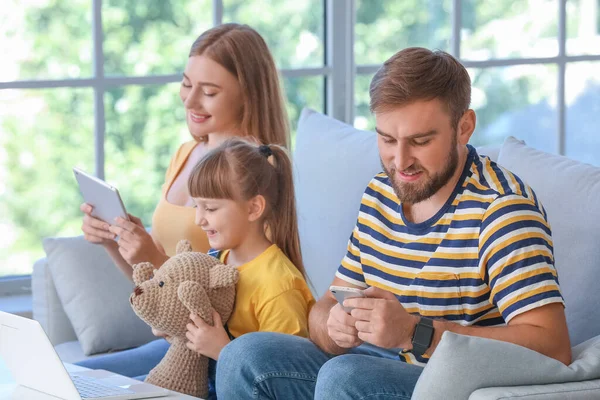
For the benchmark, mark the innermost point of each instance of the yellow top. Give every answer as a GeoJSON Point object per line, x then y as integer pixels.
{"type": "Point", "coordinates": [172, 223]}
{"type": "Point", "coordinates": [271, 296]}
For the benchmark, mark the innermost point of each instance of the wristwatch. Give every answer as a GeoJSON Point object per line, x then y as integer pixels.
{"type": "Point", "coordinates": [423, 336]}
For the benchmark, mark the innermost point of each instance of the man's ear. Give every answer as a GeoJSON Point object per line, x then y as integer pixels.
{"type": "Point", "coordinates": [466, 126]}
{"type": "Point", "coordinates": [256, 207]}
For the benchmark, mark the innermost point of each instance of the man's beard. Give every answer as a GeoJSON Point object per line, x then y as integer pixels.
{"type": "Point", "coordinates": [412, 193]}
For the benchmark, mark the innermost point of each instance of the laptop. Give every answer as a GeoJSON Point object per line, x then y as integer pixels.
{"type": "Point", "coordinates": [34, 364]}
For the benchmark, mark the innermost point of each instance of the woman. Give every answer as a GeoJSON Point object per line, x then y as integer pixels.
{"type": "Point", "coordinates": [230, 87]}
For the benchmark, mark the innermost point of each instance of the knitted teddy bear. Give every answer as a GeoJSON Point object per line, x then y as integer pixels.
{"type": "Point", "coordinates": [187, 282]}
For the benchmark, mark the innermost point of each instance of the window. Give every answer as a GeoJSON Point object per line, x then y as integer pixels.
{"type": "Point", "coordinates": [535, 80]}
{"type": "Point", "coordinates": [95, 84]}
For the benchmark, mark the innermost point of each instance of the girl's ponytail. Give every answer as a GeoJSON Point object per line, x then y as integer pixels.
{"type": "Point", "coordinates": [283, 221]}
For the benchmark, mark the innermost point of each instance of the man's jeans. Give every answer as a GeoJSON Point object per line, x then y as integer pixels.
{"type": "Point", "coordinates": [266, 365]}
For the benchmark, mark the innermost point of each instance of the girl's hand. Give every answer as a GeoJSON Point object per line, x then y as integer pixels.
{"type": "Point", "coordinates": [95, 230]}
{"type": "Point", "coordinates": [135, 244]}
{"type": "Point", "coordinates": [205, 339]}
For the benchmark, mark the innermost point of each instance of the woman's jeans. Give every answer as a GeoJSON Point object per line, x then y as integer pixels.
{"type": "Point", "coordinates": [266, 365]}
{"type": "Point", "coordinates": [134, 363]}
{"type": "Point", "coordinates": [137, 363]}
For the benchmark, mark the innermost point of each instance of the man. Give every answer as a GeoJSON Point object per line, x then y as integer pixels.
{"type": "Point", "coordinates": [446, 240]}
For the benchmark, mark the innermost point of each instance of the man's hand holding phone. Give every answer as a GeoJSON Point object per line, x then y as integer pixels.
{"type": "Point", "coordinates": [382, 320]}
{"type": "Point", "coordinates": [341, 326]}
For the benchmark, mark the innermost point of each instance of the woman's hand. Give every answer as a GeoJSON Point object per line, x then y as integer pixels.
{"type": "Point", "coordinates": [95, 230]}
{"type": "Point", "coordinates": [205, 339]}
{"type": "Point", "coordinates": [135, 244]}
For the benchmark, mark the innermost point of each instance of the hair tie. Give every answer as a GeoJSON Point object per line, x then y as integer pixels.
{"type": "Point", "coordinates": [265, 150]}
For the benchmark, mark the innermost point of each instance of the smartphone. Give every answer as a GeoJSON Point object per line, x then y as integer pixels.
{"type": "Point", "coordinates": [342, 293]}
{"type": "Point", "coordinates": [103, 197]}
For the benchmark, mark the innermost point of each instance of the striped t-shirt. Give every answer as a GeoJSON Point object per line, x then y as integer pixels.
{"type": "Point", "coordinates": [483, 259]}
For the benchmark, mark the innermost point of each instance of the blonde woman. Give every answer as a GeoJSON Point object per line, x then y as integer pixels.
{"type": "Point", "coordinates": [230, 87]}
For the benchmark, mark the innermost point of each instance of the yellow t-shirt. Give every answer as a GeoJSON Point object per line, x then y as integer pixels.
{"type": "Point", "coordinates": [272, 296]}
{"type": "Point", "coordinates": [172, 223]}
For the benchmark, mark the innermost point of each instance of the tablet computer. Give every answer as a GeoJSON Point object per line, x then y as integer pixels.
{"type": "Point", "coordinates": [103, 197]}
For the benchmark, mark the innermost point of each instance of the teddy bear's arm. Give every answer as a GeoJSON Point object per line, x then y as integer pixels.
{"type": "Point", "coordinates": [195, 298]}
{"type": "Point", "coordinates": [223, 276]}
{"type": "Point", "coordinates": [142, 272]}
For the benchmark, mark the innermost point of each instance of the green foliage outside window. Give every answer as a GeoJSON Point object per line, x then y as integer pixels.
{"type": "Point", "coordinates": [45, 132]}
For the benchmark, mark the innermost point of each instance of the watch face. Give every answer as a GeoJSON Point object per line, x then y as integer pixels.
{"type": "Point", "coordinates": [423, 336]}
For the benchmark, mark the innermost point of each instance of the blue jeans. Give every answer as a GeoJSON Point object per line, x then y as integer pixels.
{"type": "Point", "coordinates": [267, 365]}
{"type": "Point", "coordinates": [136, 363]}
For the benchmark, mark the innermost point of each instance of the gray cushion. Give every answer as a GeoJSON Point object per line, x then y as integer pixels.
{"type": "Point", "coordinates": [586, 390]}
{"type": "Point", "coordinates": [490, 363]}
{"type": "Point", "coordinates": [47, 308]}
{"type": "Point", "coordinates": [570, 193]}
{"type": "Point", "coordinates": [491, 151]}
{"type": "Point", "coordinates": [95, 296]}
{"type": "Point", "coordinates": [72, 352]}
{"type": "Point", "coordinates": [333, 164]}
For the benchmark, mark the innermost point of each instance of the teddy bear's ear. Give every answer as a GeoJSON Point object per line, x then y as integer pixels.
{"type": "Point", "coordinates": [223, 276]}
{"type": "Point", "coordinates": [183, 246]}
{"type": "Point", "coordinates": [142, 272]}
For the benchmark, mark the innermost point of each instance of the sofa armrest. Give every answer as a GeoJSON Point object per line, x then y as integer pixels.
{"type": "Point", "coordinates": [584, 390]}
{"type": "Point", "coordinates": [47, 308]}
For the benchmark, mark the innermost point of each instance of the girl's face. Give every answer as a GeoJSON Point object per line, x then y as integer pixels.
{"type": "Point", "coordinates": [226, 222]}
{"type": "Point", "coordinates": [212, 97]}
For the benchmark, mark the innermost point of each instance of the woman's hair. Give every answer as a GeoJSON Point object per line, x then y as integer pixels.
{"type": "Point", "coordinates": [243, 52]}
{"type": "Point", "coordinates": [240, 170]}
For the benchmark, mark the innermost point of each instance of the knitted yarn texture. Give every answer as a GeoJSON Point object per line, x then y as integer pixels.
{"type": "Point", "coordinates": [187, 282]}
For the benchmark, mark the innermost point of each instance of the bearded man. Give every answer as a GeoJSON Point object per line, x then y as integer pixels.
{"type": "Point", "coordinates": [446, 240]}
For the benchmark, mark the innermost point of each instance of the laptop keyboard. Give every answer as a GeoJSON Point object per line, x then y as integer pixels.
{"type": "Point", "coordinates": [90, 388]}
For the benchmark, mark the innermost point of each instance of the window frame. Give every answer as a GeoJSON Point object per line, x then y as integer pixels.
{"type": "Point", "coordinates": [338, 71]}
{"type": "Point", "coordinates": [100, 83]}
{"type": "Point", "coordinates": [560, 60]}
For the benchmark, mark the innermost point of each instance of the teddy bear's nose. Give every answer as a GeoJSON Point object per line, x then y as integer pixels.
{"type": "Point", "coordinates": [137, 291]}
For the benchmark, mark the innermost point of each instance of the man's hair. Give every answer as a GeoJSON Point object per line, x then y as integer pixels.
{"type": "Point", "coordinates": [415, 74]}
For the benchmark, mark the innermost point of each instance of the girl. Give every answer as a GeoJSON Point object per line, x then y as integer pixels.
{"type": "Point", "coordinates": [230, 88]}
{"type": "Point", "coordinates": [244, 198]}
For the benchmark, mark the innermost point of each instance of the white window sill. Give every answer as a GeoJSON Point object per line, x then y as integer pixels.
{"type": "Point", "coordinates": [20, 305]}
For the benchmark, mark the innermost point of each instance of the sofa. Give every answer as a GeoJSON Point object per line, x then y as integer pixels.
{"type": "Point", "coordinates": [83, 306]}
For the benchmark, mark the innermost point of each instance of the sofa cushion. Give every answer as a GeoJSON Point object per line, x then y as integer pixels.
{"type": "Point", "coordinates": [47, 307]}
{"type": "Point", "coordinates": [491, 363]}
{"type": "Point", "coordinates": [569, 191]}
{"type": "Point", "coordinates": [95, 296]}
{"type": "Point", "coordinates": [585, 390]}
{"type": "Point", "coordinates": [72, 352]}
{"type": "Point", "coordinates": [491, 151]}
{"type": "Point", "coordinates": [333, 164]}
